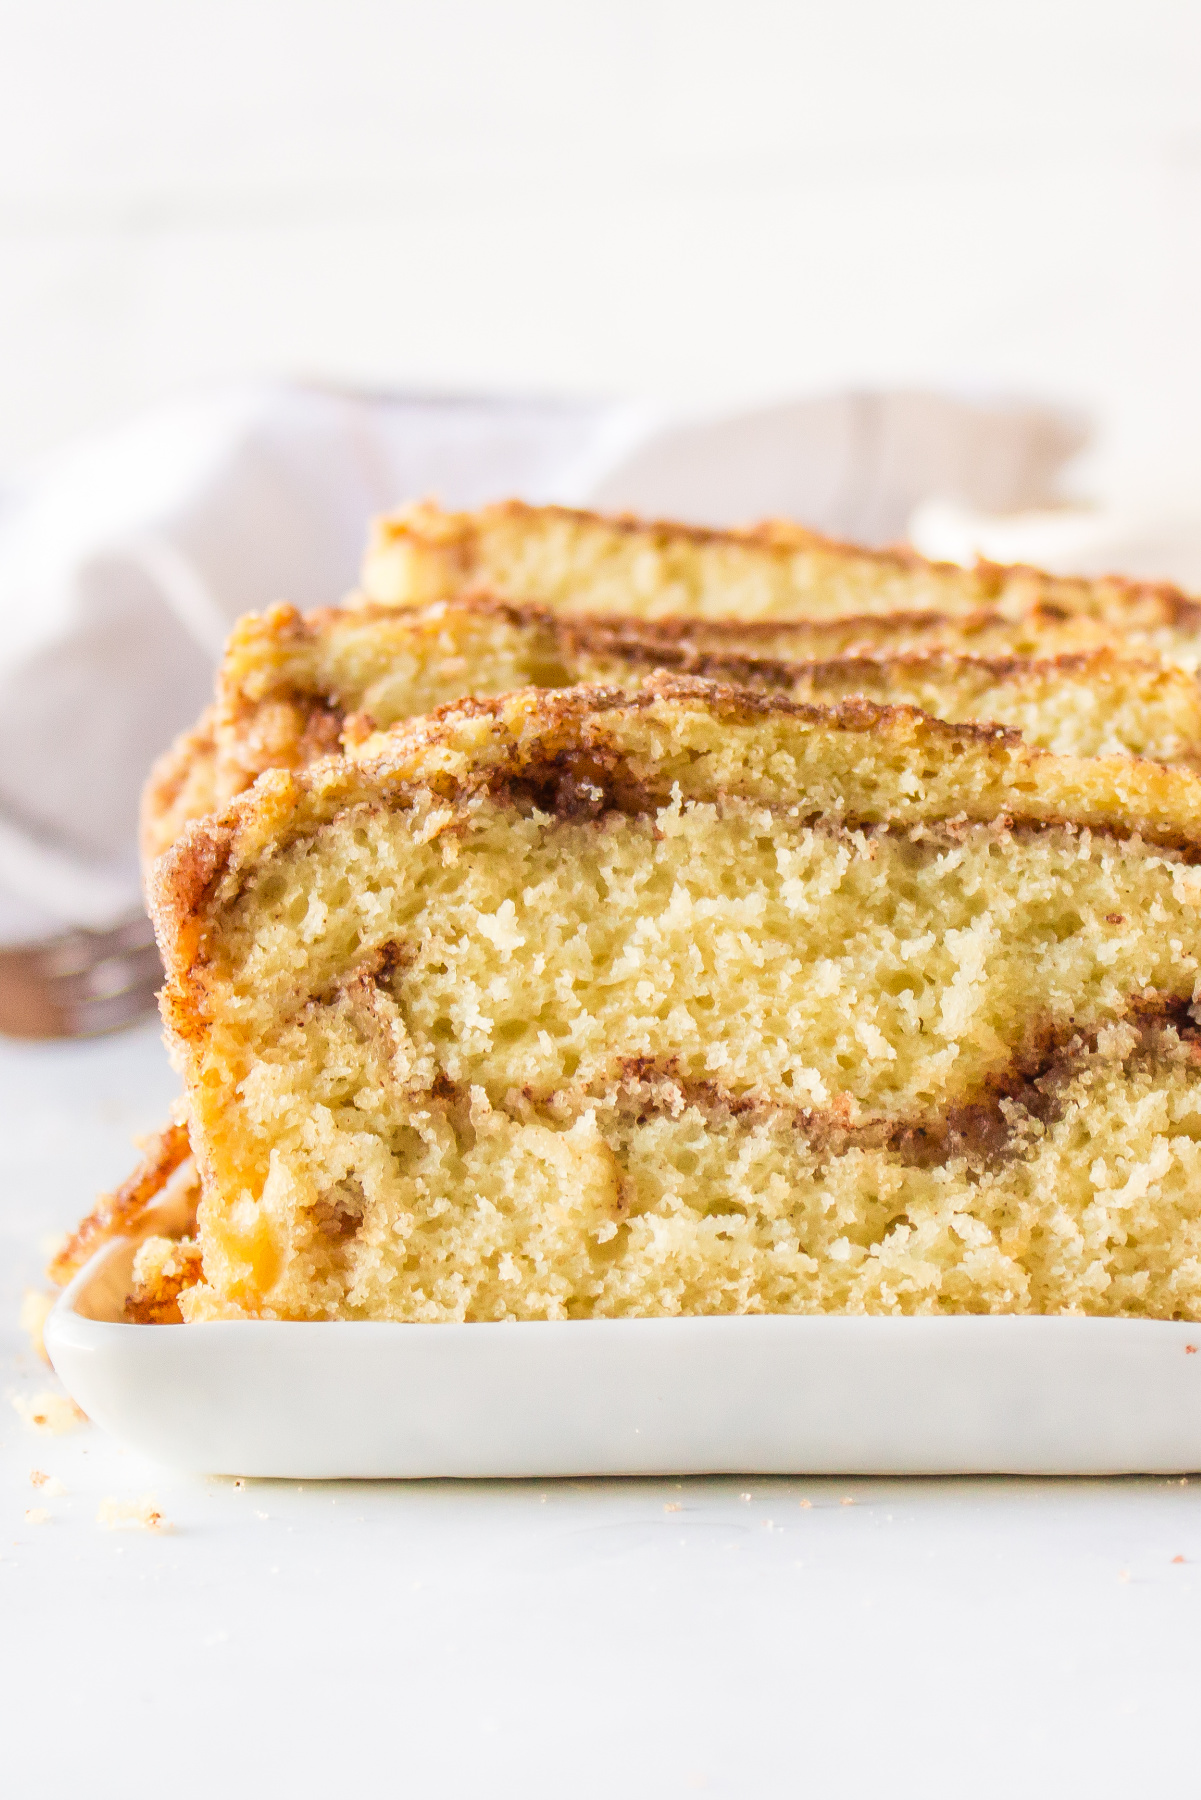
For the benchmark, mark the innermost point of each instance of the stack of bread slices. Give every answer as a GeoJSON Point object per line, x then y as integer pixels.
{"type": "Point", "coordinates": [598, 918]}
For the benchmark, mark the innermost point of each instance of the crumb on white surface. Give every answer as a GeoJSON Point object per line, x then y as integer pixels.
{"type": "Point", "coordinates": [50, 1412]}
{"type": "Point", "coordinates": [36, 1515]}
{"type": "Point", "coordinates": [36, 1308]}
{"type": "Point", "coordinates": [131, 1515]}
{"type": "Point", "coordinates": [50, 1485]}
{"type": "Point", "coordinates": [672, 1506]}
{"type": "Point", "coordinates": [846, 1501]}
{"type": "Point", "coordinates": [806, 1503]}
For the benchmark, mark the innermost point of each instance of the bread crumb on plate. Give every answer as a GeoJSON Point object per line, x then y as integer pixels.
{"type": "Point", "coordinates": [131, 1515]}
{"type": "Point", "coordinates": [49, 1412]}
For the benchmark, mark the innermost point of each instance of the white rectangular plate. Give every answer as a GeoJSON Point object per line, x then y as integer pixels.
{"type": "Point", "coordinates": [764, 1395]}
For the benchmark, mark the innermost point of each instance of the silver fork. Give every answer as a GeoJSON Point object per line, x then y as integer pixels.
{"type": "Point", "coordinates": [81, 983]}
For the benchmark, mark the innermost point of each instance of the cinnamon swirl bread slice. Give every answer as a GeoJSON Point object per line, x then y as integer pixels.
{"type": "Point", "coordinates": [591, 1004]}
{"type": "Point", "coordinates": [289, 683]}
{"type": "Point", "coordinates": [580, 562]}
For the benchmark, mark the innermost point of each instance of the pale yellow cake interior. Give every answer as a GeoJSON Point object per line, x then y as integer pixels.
{"type": "Point", "coordinates": [579, 562]}
{"type": "Point", "coordinates": [662, 997]}
{"type": "Point", "coordinates": [672, 1004]}
{"type": "Point", "coordinates": [288, 684]}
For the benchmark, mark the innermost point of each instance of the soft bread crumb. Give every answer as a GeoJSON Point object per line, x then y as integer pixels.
{"type": "Point", "coordinates": [162, 1270]}
{"type": "Point", "coordinates": [49, 1412]}
{"type": "Point", "coordinates": [199, 1305]}
{"type": "Point", "coordinates": [583, 1004]}
{"type": "Point", "coordinates": [50, 1485]}
{"type": "Point", "coordinates": [131, 1515]}
{"type": "Point", "coordinates": [36, 1515]}
{"type": "Point", "coordinates": [293, 688]}
{"type": "Point", "coordinates": [581, 562]}
{"type": "Point", "coordinates": [36, 1308]}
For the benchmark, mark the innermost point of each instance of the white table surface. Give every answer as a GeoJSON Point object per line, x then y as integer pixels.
{"type": "Point", "coordinates": [566, 1638]}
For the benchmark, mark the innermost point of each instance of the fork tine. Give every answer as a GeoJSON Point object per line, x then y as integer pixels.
{"type": "Point", "coordinates": [109, 976]}
{"type": "Point", "coordinates": [80, 984]}
{"type": "Point", "coordinates": [95, 1017]}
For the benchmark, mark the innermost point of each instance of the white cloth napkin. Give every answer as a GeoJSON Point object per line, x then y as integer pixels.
{"type": "Point", "coordinates": [1155, 540]}
{"type": "Point", "coordinates": [125, 558]}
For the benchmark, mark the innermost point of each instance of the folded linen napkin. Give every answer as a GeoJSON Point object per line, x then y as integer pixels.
{"type": "Point", "coordinates": [1152, 540]}
{"type": "Point", "coordinates": [125, 559]}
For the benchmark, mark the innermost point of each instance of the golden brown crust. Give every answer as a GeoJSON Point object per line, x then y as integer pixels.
{"type": "Point", "coordinates": [691, 646]}
{"type": "Point", "coordinates": [181, 881]}
{"type": "Point", "coordinates": [768, 672]}
{"type": "Point", "coordinates": [454, 540]}
{"type": "Point", "coordinates": [1037, 621]}
{"type": "Point", "coordinates": [227, 750]}
{"type": "Point", "coordinates": [182, 786]}
{"type": "Point", "coordinates": [567, 752]}
{"type": "Point", "coordinates": [124, 1210]}
{"type": "Point", "coordinates": [718, 637]}
{"type": "Point", "coordinates": [683, 646]}
{"type": "Point", "coordinates": [560, 708]}
{"type": "Point", "coordinates": [457, 532]}
{"type": "Point", "coordinates": [291, 687]}
{"type": "Point", "coordinates": [154, 1297]}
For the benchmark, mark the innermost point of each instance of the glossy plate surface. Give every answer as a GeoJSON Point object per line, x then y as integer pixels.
{"type": "Point", "coordinates": [777, 1395]}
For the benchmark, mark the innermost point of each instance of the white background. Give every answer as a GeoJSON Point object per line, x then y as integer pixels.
{"type": "Point", "coordinates": [700, 202]}
{"type": "Point", "coordinates": [704, 204]}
